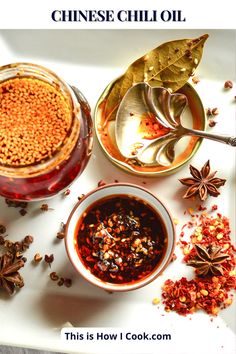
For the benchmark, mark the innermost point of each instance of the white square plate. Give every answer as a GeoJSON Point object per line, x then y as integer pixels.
{"type": "Point", "coordinates": [89, 60]}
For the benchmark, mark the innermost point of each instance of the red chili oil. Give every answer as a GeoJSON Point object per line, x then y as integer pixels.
{"type": "Point", "coordinates": [55, 180]}
{"type": "Point", "coordinates": [121, 239]}
{"type": "Point", "coordinates": [150, 128]}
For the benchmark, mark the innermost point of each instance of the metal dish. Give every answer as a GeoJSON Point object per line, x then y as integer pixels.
{"type": "Point", "coordinates": [193, 117]}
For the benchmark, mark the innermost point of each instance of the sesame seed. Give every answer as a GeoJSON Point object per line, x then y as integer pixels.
{"type": "Point", "coordinates": [156, 301]}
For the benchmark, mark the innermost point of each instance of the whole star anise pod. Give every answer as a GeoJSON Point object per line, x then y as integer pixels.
{"type": "Point", "coordinates": [208, 260]}
{"type": "Point", "coordinates": [9, 275]}
{"type": "Point", "coordinates": [202, 183]}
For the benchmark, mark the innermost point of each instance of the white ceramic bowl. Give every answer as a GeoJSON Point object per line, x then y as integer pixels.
{"type": "Point", "coordinates": [100, 193]}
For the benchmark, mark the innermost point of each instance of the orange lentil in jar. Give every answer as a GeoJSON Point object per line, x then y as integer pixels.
{"type": "Point", "coordinates": [35, 118]}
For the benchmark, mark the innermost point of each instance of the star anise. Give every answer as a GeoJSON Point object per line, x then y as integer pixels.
{"type": "Point", "coordinates": [9, 275]}
{"type": "Point", "coordinates": [208, 260]}
{"type": "Point", "coordinates": [202, 183]}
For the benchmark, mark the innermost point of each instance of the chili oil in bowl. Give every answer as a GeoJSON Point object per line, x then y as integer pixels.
{"type": "Point", "coordinates": [120, 237]}
{"type": "Point", "coordinates": [46, 132]}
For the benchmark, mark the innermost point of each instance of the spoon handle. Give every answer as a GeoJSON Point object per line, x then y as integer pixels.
{"type": "Point", "coordinates": [229, 140]}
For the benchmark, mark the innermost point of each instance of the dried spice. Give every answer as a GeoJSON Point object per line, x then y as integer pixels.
{"type": "Point", "coordinates": [212, 123]}
{"type": "Point", "coordinates": [179, 296]}
{"type": "Point", "coordinates": [23, 212]}
{"type": "Point", "coordinates": [61, 282]}
{"type": "Point", "coordinates": [208, 112]}
{"type": "Point", "coordinates": [174, 257]}
{"type": "Point", "coordinates": [28, 239]}
{"type": "Point", "coordinates": [54, 276]}
{"type": "Point", "coordinates": [195, 80]}
{"type": "Point", "coordinates": [18, 246]}
{"type": "Point", "coordinates": [210, 230]}
{"type": "Point", "coordinates": [49, 259]}
{"type": "Point", "coordinates": [61, 234]}
{"type": "Point", "coordinates": [202, 183]}
{"type": "Point", "coordinates": [67, 192]}
{"type": "Point", "coordinates": [120, 239]}
{"type": "Point", "coordinates": [67, 282]}
{"type": "Point", "coordinates": [101, 183]}
{"type": "Point", "coordinates": [170, 65]}
{"type": "Point", "coordinates": [2, 229]}
{"type": "Point", "coordinates": [16, 204]}
{"type": "Point", "coordinates": [38, 257]}
{"type": "Point", "coordinates": [45, 207]}
{"type": "Point", "coordinates": [80, 197]}
{"type": "Point", "coordinates": [215, 111]}
{"type": "Point", "coordinates": [10, 278]}
{"type": "Point", "coordinates": [228, 84]}
{"type": "Point", "coordinates": [210, 290]}
{"type": "Point", "coordinates": [35, 119]}
{"type": "Point", "coordinates": [2, 240]}
{"type": "Point", "coordinates": [187, 296]}
{"type": "Point", "coordinates": [212, 111]}
{"type": "Point", "coordinates": [156, 301]}
{"type": "Point", "coordinates": [208, 260]}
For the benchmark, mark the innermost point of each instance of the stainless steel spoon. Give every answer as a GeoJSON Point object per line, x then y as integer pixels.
{"type": "Point", "coordinates": [167, 109]}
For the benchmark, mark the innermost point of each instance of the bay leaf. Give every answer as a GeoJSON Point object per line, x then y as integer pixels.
{"type": "Point", "coordinates": [170, 65]}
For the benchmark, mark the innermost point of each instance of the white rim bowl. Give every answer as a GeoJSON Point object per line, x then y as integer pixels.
{"type": "Point", "coordinates": [107, 191]}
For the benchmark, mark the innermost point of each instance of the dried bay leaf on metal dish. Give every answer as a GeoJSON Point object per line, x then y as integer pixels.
{"type": "Point", "coordinates": [170, 65]}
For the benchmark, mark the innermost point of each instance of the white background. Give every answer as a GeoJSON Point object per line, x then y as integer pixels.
{"type": "Point", "coordinates": [90, 60]}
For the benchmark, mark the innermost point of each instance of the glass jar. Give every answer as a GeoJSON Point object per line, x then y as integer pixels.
{"type": "Point", "coordinates": [55, 172]}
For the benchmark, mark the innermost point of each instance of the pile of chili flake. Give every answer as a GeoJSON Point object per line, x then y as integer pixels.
{"type": "Point", "coordinates": [212, 254]}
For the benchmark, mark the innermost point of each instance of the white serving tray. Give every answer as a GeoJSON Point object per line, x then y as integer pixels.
{"type": "Point", "coordinates": [89, 60]}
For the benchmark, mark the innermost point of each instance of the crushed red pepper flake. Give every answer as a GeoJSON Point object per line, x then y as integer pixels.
{"type": "Point", "coordinates": [208, 293]}
{"type": "Point", "coordinates": [201, 208]}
